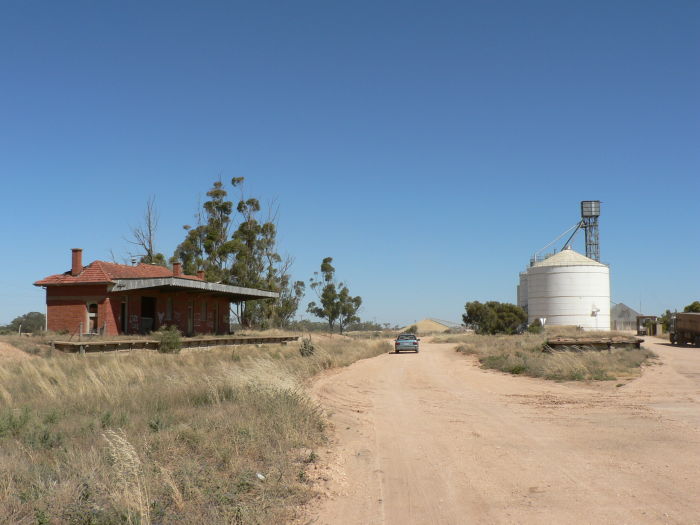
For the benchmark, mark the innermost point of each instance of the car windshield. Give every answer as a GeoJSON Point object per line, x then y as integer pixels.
{"type": "Point", "coordinates": [407, 336]}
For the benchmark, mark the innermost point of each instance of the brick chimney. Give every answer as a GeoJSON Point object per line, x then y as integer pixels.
{"type": "Point", "coordinates": [177, 269]}
{"type": "Point", "coordinates": [200, 274]}
{"type": "Point", "coordinates": [77, 265]}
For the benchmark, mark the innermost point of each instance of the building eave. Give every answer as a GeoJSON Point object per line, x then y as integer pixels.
{"type": "Point", "coordinates": [236, 293]}
{"type": "Point", "coordinates": [81, 283]}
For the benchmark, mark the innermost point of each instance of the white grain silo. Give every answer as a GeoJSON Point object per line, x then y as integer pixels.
{"type": "Point", "coordinates": [569, 289]}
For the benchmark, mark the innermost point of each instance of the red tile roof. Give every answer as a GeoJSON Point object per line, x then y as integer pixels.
{"type": "Point", "coordinates": [99, 272]}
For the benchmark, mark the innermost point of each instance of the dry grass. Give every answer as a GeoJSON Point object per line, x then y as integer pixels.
{"type": "Point", "coordinates": [523, 355]}
{"type": "Point", "coordinates": [207, 436]}
{"type": "Point", "coordinates": [453, 338]}
{"type": "Point", "coordinates": [34, 345]}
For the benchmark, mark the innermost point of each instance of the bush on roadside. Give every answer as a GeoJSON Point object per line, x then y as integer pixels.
{"type": "Point", "coordinates": [523, 355]}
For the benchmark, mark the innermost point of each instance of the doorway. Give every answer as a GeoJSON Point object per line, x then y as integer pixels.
{"type": "Point", "coordinates": [190, 318]}
{"type": "Point", "coordinates": [123, 317]}
{"type": "Point", "coordinates": [216, 317]}
{"type": "Point", "coordinates": [148, 314]}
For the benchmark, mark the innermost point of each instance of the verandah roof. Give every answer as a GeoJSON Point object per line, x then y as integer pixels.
{"type": "Point", "coordinates": [235, 293]}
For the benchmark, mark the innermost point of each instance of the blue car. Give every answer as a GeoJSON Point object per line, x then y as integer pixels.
{"type": "Point", "coordinates": [406, 342]}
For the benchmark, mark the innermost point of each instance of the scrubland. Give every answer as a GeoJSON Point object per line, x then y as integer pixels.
{"type": "Point", "coordinates": [523, 354]}
{"type": "Point", "coordinates": [211, 436]}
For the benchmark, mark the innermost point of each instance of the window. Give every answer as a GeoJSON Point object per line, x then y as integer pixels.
{"type": "Point", "coordinates": [203, 311]}
{"type": "Point", "coordinates": [92, 318]}
{"type": "Point", "coordinates": [123, 314]}
{"type": "Point", "coordinates": [169, 309]}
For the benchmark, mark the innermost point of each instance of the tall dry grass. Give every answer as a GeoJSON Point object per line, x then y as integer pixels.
{"type": "Point", "coordinates": [523, 355]}
{"type": "Point", "coordinates": [209, 436]}
{"type": "Point", "coordinates": [452, 338]}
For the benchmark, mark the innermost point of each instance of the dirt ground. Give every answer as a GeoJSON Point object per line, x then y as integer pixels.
{"type": "Point", "coordinates": [431, 438]}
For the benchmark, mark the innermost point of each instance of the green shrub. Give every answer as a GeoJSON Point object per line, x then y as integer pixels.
{"type": "Point", "coordinates": [413, 329]}
{"type": "Point", "coordinates": [493, 317]}
{"type": "Point", "coordinates": [536, 327]}
{"type": "Point", "coordinates": [169, 340]}
{"type": "Point", "coordinates": [12, 423]}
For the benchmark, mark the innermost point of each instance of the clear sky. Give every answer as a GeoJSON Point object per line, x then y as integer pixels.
{"type": "Point", "coordinates": [428, 147]}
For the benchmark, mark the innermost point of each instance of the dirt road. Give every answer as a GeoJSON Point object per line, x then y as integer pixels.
{"type": "Point", "coordinates": [431, 438]}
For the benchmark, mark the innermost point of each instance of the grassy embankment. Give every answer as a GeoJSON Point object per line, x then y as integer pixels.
{"type": "Point", "coordinates": [522, 354]}
{"type": "Point", "coordinates": [212, 436]}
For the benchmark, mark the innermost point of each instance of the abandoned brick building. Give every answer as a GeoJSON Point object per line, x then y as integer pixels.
{"type": "Point", "coordinates": [112, 299]}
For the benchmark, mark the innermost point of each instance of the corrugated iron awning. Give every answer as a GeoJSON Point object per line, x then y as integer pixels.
{"type": "Point", "coordinates": [236, 293]}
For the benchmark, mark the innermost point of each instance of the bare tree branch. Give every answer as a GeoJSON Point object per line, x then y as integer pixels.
{"type": "Point", "coordinates": [144, 235]}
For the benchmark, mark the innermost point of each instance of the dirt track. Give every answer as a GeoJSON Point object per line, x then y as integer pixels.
{"type": "Point", "coordinates": [431, 438]}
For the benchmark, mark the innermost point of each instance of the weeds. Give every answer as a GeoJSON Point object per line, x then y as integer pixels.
{"type": "Point", "coordinates": [523, 355]}
{"type": "Point", "coordinates": [130, 490]}
{"type": "Point", "coordinates": [145, 437]}
{"type": "Point", "coordinates": [306, 349]}
{"type": "Point", "coordinates": [169, 340]}
{"type": "Point", "coordinates": [453, 338]}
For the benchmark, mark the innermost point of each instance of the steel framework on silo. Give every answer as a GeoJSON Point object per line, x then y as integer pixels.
{"type": "Point", "coordinates": [590, 210]}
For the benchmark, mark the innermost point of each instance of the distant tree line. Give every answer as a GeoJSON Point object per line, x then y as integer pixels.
{"type": "Point", "coordinates": [32, 322]}
{"type": "Point", "coordinates": [493, 317]}
{"type": "Point", "coordinates": [305, 325]}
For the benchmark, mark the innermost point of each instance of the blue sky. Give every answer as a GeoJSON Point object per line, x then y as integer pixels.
{"type": "Point", "coordinates": [428, 147]}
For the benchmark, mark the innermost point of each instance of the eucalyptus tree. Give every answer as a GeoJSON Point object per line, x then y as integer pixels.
{"type": "Point", "coordinates": [335, 305]}
{"type": "Point", "coordinates": [348, 308]}
{"type": "Point", "coordinates": [207, 245]}
{"type": "Point", "coordinates": [493, 317]}
{"type": "Point", "coordinates": [239, 248]}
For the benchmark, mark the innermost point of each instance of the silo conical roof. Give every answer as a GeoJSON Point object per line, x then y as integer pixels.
{"type": "Point", "coordinates": [568, 257]}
